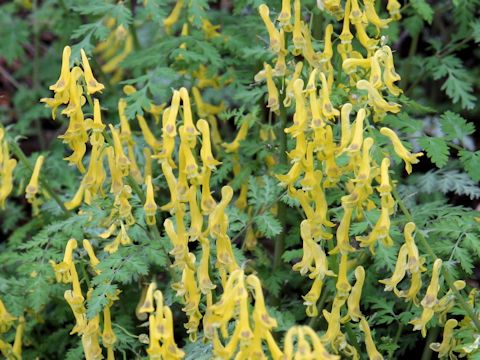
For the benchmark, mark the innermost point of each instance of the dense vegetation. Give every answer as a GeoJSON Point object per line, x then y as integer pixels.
{"type": "Point", "coordinates": [239, 179]}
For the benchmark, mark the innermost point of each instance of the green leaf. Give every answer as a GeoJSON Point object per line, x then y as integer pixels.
{"type": "Point", "coordinates": [290, 255]}
{"type": "Point", "coordinates": [268, 225]}
{"type": "Point", "coordinates": [471, 163]}
{"type": "Point", "coordinates": [437, 150]}
{"type": "Point", "coordinates": [458, 84]}
{"type": "Point", "coordinates": [423, 9]}
{"type": "Point", "coordinates": [454, 126]}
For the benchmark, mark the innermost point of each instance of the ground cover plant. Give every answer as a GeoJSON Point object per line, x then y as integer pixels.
{"type": "Point", "coordinates": [239, 179]}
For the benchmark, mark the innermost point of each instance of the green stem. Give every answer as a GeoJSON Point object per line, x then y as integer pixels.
{"type": "Point", "coordinates": [23, 158]}
{"type": "Point", "coordinates": [282, 208]}
{"type": "Point", "coordinates": [448, 278]}
{"type": "Point", "coordinates": [432, 336]}
{"type": "Point", "coordinates": [353, 338]}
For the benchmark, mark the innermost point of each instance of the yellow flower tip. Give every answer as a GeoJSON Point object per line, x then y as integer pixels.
{"type": "Point", "coordinates": [32, 188]}
{"type": "Point", "coordinates": [93, 85]}
{"type": "Point", "coordinates": [150, 206]}
{"type": "Point", "coordinates": [400, 149]}
{"type": "Point", "coordinates": [64, 80]}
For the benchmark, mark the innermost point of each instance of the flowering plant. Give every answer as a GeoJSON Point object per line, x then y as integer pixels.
{"type": "Point", "coordinates": [256, 194]}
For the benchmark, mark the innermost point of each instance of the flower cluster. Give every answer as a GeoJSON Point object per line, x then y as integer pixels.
{"type": "Point", "coordinates": [88, 329]}
{"type": "Point", "coordinates": [7, 165]}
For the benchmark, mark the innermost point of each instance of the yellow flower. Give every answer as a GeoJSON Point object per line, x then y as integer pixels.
{"type": "Point", "coordinates": [399, 272]}
{"type": "Point", "coordinates": [63, 270]}
{"type": "Point", "coordinates": [150, 206]}
{"type": "Point", "coordinates": [272, 31]}
{"type": "Point", "coordinates": [32, 188]}
{"type": "Point", "coordinates": [345, 126]}
{"type": "Point", "coordinates": [108, 336]}
{"type": "Point", "coordinates": [93, 85]}
{"type": "Point", "coordinates": [373, 17]}
{"type": "Point", "coordinates": [357, 133]}
{"type": "Point", "coordinates": [289, 91]}
{"type": "Point", "coordinates": [327, 108]}
{"type": "Point", "coordinates": [285, 14]}
{"type": "Point", "coordinates": [273, 102]}
{"type": "Point", "coordinates": [333, 320]}
{"type": "Point", "coordinates": [343, 286]}
{"type": "Point", "coordinates": [91, 254]}
{"type": "Point", "coordinates": [376, 100]}
{"type": "Point", "coordinates": [148, 135]}
{"type": "Point", "coordinates": [206, 150]}
{"type": "Point", "coordinates": [298, 40]}
{"type": "Point", "coordinates": [300, 116]}
{"type": "Point", "coordinates": [171, 19]}
{"type": "Point", "coordinates": [415, 262]}
{"type": "Point", "coordinates": [353, 301]}
{"type": "Point", "coordinates": [343, 238]}
{"type": "Point", "coordinates": [393, 8]}
{"type": "Point", "coordinates": [415, 287]}
{"type": "Point", "coordinates": [400, 150]}
{"type": "Point", "coordinates": [148, 306]}
{"type": "Point", "coordinates": [448, 341]}
{"type": "Point", "coordinates": [390, 76]}
{"type": "Point", "coordinates": [385, 188]}
{"type": "Point", "coordinates": [64, 81]}
{"type": "Point", "coordinates": [121, 159]}
{"type": "Point", "coordinates": [241, 135]}
{"type": "Point", "coordinates": [6, 319]}
{"type": "Point", "coordinates": [372, 351]}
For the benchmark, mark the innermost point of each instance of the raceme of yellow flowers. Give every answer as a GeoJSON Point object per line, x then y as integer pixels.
{"type": "Point", "coordinates": [233, 314]}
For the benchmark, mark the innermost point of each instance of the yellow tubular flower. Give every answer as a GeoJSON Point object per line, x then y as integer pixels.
{"type": "Point", "coordinates": [91, 254]}
{"type": "Point", "coordinates": [32, 188]}
{"type": "Point", "coordinates": [196, 221]}
{"type": "Point", "coordinates": [327, 108]}
{"type": "Point", "coordinates": [93, 85]}
{"type": "Point", "coordinates": [285, 14]}
{"type": "Point", "coordinates": [356, 15]}
{"type": "Point", "coordinates": [430, 298]}
{"type": "Point", "coordinates": [150, 206]}
{"type": "Point", "coordinates": [399, 272]}
{"type": "Point", "coordinates": [343, 238]}
{"type": "Point", "coordinates": [298, 40]}
{"type": "Point", "coordinates": [311, 298]}
{"type": "Point", "coordinates": [203, 277]}
{"type": "Point", "coordinates": [415, 287]}
{"type": "Point", "coordinates": [448, 341]}
{"type": "Point", "coordinates": [273, 102]}
{"type": "Point", "coordinates": [241, 135]}
{"type": "Point", "coordinates": [148, 306]}
{"type": "Point", "coordinates": [108, 336]}
{"type": "Point", "coordinates": [190, 129]}
{"type": "Point", "coordinates": [300, 116]}
{"type": "Point", "coordinates": [171, 19]}
{"type": "Point", "coordinates": [390, 76]}
{"type": "Point", "coordinates": [272, 31]}
{"type": "Point", "coordinates": [415, 263]}
{"type": "Point", "coordinates": [121, 159]}
{"type": "Point", "coordinates": [345, 47]}
{"type": "Point", "coordinates": [17, 343]}
{"type": "Point", "coordinates": [385, 188]}
{"type": "Point", "coordinates": [343, 286]}
{"type": "Point", "coordinates": [357, 135]}
{"type": "Point", "coordinates": [372, 351]}
{"type": "Point", "coordinates": [373, 17]}
{"type": "Point", "coordinates": [353, 301]}
{"type": "Point", "coordinates": [333, 320]}
{"type": "Point", "coordinates": [6, 319]}
{"type": "Point", "coordinates": [393, 7]}
{"type": "Point", "coordinates": [376, 99]}
{"type": "Point", "coordinates": [77, 198]}
{"type": "Point", "coordinates": [280, 65]}
{"type": "Point", "coordinates": [64, 81]}
{"type": "Point", "coordinates": [345, 126]}
{"type": "Point", "coordinates": [368, 43]}
{"type": "Point", "coordinates": [7, 180]}
{"type": "Point", "coordinates": [96, 138]}
{"type": "Point", "coordinates": [400, 150]}
{"type": "Point", "coordinates": [148, 135]}
{"type": "Point", "coordinates": [375, 71]}
{"type": "Point", "coordinates": [289, 91]}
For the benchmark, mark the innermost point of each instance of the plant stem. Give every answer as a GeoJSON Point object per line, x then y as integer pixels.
{"type": "Point", "coordinates": [448, 278]}
{"type": "Point", "coordinates": [282, 208]}
{"type": "Point", "coordinates": [23, 158]}
{"type": "Point", "coordinates": [432, 336]}
{"type": "Point", "coordinates": [35, 68]}
{"type": "Point", "coordinates": [352, 338]}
